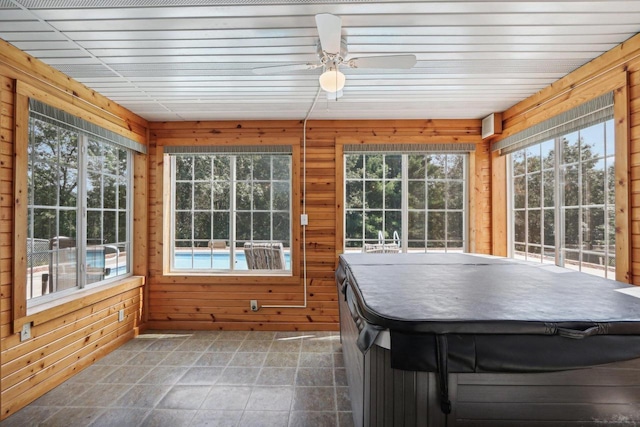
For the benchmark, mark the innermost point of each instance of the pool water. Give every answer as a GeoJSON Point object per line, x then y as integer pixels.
{"type": "Point", "coordinates": [213, 261]}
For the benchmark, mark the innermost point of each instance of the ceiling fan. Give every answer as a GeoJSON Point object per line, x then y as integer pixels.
{"type": "Point", "coordinates": [332, 53]}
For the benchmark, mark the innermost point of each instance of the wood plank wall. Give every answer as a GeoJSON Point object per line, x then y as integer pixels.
{"type": "Point", "coordinates": [81, 331]}
{"type": "Point", "coordinates": [206, 303]}
{"type": "Point", "coordinates": [619, 71]}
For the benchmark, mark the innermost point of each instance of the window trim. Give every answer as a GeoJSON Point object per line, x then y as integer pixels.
{"type": "Point", "coordinates": [471, 208]}
{"type": "Point", "coordinates": [558, 208]}
{"type": "Point", "coordinates": [233, 182]}
{"type": "Point", "coordinates": [163, 180]}
{"type": "Point", "coordinates": [404, 209]}
{"type": "Point", "coordinates": [619, 84]}
{"type": "Point", "coordinates": [58, 307]}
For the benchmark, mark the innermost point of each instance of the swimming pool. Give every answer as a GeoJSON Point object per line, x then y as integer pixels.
{"type": "Point", "coordinates": [213, 261]}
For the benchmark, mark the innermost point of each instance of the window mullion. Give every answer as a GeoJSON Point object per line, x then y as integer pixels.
{"type": "Point", "coordinates": [81, 220]}
{"type": "Point", "coordinates": [558, 204]}
{"type": "Point", "coordinates": [232, 212]}
{"type": "Point", "coordinates": [404, 200]}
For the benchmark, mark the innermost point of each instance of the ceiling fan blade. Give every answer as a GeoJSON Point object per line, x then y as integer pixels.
{"type": "Point", "coordinates": [400, 62]}
{"type": "Point", "coordinates": [330, 32]}
{"type": "Point", "coordinates": [285, 68]}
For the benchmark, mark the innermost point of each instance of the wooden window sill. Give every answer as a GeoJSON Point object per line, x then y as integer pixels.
{"type": "Point", "coordinates": [45, 312]}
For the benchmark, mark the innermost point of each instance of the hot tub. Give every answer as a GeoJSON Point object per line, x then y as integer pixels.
{"type": "Point", "coordinates": [461, 339]}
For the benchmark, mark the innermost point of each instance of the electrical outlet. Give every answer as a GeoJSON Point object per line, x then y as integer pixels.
{"type": "Point", "coordinates": [304, 219]}
{"type": "Point", "coordinates": [25, 333]}
{"type": "Point", "coordinates": [254, 305]}
{"type": "Point", "coordinates": [121, 315]}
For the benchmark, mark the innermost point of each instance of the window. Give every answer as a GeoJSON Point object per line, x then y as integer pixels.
{"type": "Point", "coordinates": [79, 207]}
{"type": "Point", "coordinates": [414, 202]}
{"type": "Point", "coordinates": [231, 212]}
{"type": "Point", "coordinates": [564, 200]}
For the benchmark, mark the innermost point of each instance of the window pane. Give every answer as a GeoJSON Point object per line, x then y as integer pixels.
{"type": "Point", "coordinates": [571, 187]}
{"type": "Point", "coordinates": [94, 190]}
{"type": "Point", "coordinates": [454, 226]}
{"type": "Point", "coordinates": [518, 163]}
{"type": "Point", "coordinates": [436, 193]}
{"type": "Point", "coordinates": [202, 168]}
{"type": "Point", "coordinates": [353, 225]}
{"type": "Point", "coordinates": [549, 185]}
{"type": "Point", "coordinates": [455, 166]}
{"type": "Point", "coordinates": [122, 193]}
{"type": "Point", "coordinates": [262, 168]}
{"type": "Point", "coordinates": [353, 194]}
{"type": "Point", "coordinates": [392, 223]}
{"type": "Point", "coordinates": [109, 195]}
{"type": "Point", "coordinates": [393, 195]}
{"type": "Point", "coordinates": [416, 226]}
{"type": "Point", "coordinates": [262, 196]}
{"type": "Point", "coordinates": [520, 226]}
{"type": "Point", "coordinates": [611, 181]}
{"type": "Point", "coordinates": [417, 166]}
{"type": "Point", "coordinates": [281, 225]}
{"type": "Point", "coordinates": [261, 226]}
{"type": "Point", "coordinates": [436, 226]}
{"type": "Point", "coordinates": [243, 226]}
{"type": "Point", "coordinates": [570, 148]}
{"type": "Point", "coordinates": [548, 154]}
{"type": "Point", "coordinates": [373, 169]}
{"type": "Point", "coordinates": [221, 196]}
{"type": "Point", "coordinates": [94, 226]}
{"type": "Point", "coordinates": [183, 225]}
{"type": "Point", "coordinates": [436, 166]}
{"type": "Point", "coordinates": [533, 158]}
{"type": "Point", "coordinates": [202, 195]}
{"type": "Point", "coordinates": [202, 226]}
{"type": "Point", "coordinates": [519, 192]}
{"type": "Point", "coordinates": [593, 232]}
{"type": "Point", "coordinates": [572, 228]}
{"type": "Point", "coordinates": [122, 227]}
{"type": "Point", "coordinates": [373, 194]}
{"type": "Point", "coordinates": [281, 168]}
{"type": "Point", "coordinates": [244, 168]}
{"type": "Point", "coordinates": [455, 195]}
{"type": "Point", "coordinates": [549, 228]}
{"type": "Point", "coordinates": [592, 142]}
{"type": "Point", "coordinates": [354, 166]}
{"type": "Point", "coordinates": [534, 226]}
{"type": "Point", "coordinates": [373, 224]}
{"type": "Point", "coordinates": [393, 167]}
{"type": "Point", "coordinates": [184, 168]}
{"type": "Point", "coordinates": [45, 184]}
{"type": "Point", "coordinates": [610, 141]}
{"type": "Point", "coordinates": [417, 197]}
{"type": "Point", "coordinates": [281, 196]}
{"type": "Point", "coordinates": [533, 189]}
{"type": "Point", "coordinates": [184, 195]}
{"type": "Point", "coordinates": [243, 196]}
{"type": "Point", "coordinates": [593, 182]}
{"type": "Point", "coordinates": [109, 227]}
{"type": "Point", "coordinates": [221, 226]}
{"type": "Point", "coordinates": [221, 168]}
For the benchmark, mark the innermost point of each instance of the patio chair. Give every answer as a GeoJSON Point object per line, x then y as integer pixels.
{"type": "Point", "coordinates": [264, 256]}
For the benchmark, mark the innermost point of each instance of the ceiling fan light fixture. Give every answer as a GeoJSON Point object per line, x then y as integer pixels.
{"type": "Point", "coordinates": [332, 80]}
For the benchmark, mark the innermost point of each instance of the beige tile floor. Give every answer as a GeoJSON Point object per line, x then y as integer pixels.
{"type": "Point", "coordinates": [271, 379]}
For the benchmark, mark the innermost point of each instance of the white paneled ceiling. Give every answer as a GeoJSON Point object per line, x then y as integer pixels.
{"type": "Point", "coordinates": [193, 59]}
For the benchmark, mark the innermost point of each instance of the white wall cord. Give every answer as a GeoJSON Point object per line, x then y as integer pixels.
{"type": "Point", "coordinates": [304, 208]}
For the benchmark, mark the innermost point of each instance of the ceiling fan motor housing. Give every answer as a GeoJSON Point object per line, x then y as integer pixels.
{"type": "Point", "coordinates": [328, 57]}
